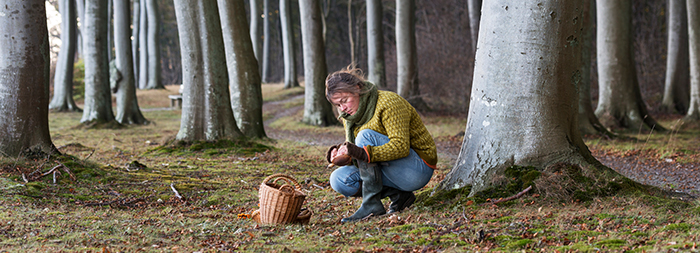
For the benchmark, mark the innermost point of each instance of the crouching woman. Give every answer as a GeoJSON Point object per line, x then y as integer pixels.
{"type": "Point", "coordinates": [393, 154]}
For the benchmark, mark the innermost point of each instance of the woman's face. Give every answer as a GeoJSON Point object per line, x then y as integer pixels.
{"type": "Point", "coordinates": [346, 102]}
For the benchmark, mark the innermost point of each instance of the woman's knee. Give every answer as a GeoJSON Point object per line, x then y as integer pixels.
{"type": "Point", "coordinates": [343, 181]}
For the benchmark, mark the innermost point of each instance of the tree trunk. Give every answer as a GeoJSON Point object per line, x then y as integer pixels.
{"type": "Point", "coordinates": [135, 39]}
{"type": "Point", "coordinates": [143, 46]}
{"type": "Point", "coordinates": [80, 5]}
{"type": "Point", "coordinates": [376, 71]}
{"type": "Point", "coordinates": [523, 103]}
{"type": "Point", "coordinates": [24, 79]}
{"type": "Point", "coordinates": [128, 111]}
{"type": "Point", "coordinates": [317, 110]}
{"type": "Point", "coordinates": [588, 123]}
{"type": "Point", "coordinates": [474, 18]}
{"type": "Point", "coordinates": [693, 114]}
{"type": "Point", "coordinates": [407, 54]}
{"type": "Point", "coordinates": [98, 101]}
{"type": "Point", "coordinates": [290, 68]}
{"type": "Point", "coordinates": [155, 81]}
{"type": "Point", "coordinates": [620, 103]}
{"type": "Point", "coordinates": [110, 33]}
{"type": "Point", "coordinates": [63, 78]}
{"type": "Point", "coordinates": [206, 105]}
{"type": "Point", "coordinates": [351, 38]}
{"type": "Point", "coordinates": [266, 42]}
{"type": "Point", "coordinates": [677, 82]}
{"type": "Point", "coordinates": [255, 28]}
{"type": "Point", "coordinates": [246, 93]}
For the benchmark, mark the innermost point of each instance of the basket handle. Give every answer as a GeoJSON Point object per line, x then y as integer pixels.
{"type": "Point", "coordinates": [284, 177]}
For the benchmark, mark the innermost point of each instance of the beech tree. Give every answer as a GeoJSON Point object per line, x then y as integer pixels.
{"type": "Point", "coordinates": [153, 43]}
{"type": "Point", "coordinates": [587, 120]}
{"type": "Point", "coordinates": [206, 105]}
{"type": "Point", "coordinates": [376, 67]}
{"type": "Point", "coordinates": [128, 111]}
{"type": "Point", "coordinates": [255, 28]}
{"type": "Point", "coordinates": [136, 14]}
{"type": "Point", "coordinates": [24, 82]}
{"type": "Point", "coordinates": [693, 114]}
{"type": "Point", "coordinates": [523, 108]}
{"type": "Point", "coordinates": [620, 103]}
{"type": "Point", "coordinates": [317, 110]}
{"type": "Point", "coordinates": [290, 68]}
{"type": "Point", "coordinates": [63, 78]}
{"type": "Point", "coordinates": [143, 46]}
{"type": "Point", "coordinates": [407, 54]}
{"type": "Point", "coordinates": [244, 77]}
{"type": "Point", "coordinates": [98, 100]}
{"type": "Point", "coordinates": [265, 62]}
{"type": "Point", "coordinates": [474, 8]}
{"type": "Point", "coordinates": [677, 83]}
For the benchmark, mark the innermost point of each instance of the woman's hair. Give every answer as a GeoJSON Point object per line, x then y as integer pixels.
{"type": "Point", "coordinates": [345, 80]}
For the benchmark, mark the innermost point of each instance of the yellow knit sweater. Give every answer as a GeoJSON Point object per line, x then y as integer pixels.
{"type": "Point", "coordinates": [398, 120]}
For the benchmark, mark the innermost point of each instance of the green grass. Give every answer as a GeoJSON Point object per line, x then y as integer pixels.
{"type": "Point", "coordinates": [114, 204]}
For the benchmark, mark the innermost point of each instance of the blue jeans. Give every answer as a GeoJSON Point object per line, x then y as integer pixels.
{"type": "Point", "coordinates": [407, 174]}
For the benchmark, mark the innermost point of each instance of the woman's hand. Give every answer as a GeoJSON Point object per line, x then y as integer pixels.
{"type": "Point", "coordinates": [338, 155]}
{"type": "Point", "coordinates": [354, 151]}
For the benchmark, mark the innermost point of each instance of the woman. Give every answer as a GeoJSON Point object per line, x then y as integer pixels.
{"type": "Point", "coordinates": [393, 152]}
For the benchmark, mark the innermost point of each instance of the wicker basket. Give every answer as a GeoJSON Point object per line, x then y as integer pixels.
{"type": "Point", "coordinates": [280, 203]}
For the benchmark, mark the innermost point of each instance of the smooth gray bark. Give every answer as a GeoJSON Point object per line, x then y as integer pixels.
{"type": "Point", "coordinates": [290, 67]}
{"type": "Point", "coordinates": [155, 80]}
{"type": "Point", "coordinates": [474, 7]}
{"type": "Point", "coordinates": [63, 76]}
{"type": "Point", "coordinates": [407, 54]}
{"type": "Point", "coordinates": [376, 68]}
{"type": "Point", "coordinates": [317, 110]}
{"type": "Point", "coordinates": [255, 27]}
{"type": "Point", "coordinates": [523, 108]}
{"type": "Point", "coordinates": [244, 77]}
{"type": "Point", "coordinates": [142, 79]}
{"type": "Point", "coordinates": [677, 84]}
{"type": "Point", "coordinates": [206, 104]}
{"type": "Point", "coordinates": [136, 14]}
{"type": "Point", "coordinates": [98, 101]}
{"type": "Point", "coordinates": [693, 114]}
{"type": "Point", "coordinates": [80, 5]}
{"type": "Point", "coordinates": [128, 111]}
{"type": "Point", "coordinates": [24, 79]}
{"type": "Point", "coordinates": [110, 33]}
{"type": "Point", "coordinates": [620, 103]}
{"type": "Point", "coordinates": [266, 43]}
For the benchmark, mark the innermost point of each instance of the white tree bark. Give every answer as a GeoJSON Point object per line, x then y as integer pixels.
{"type": "Point", "coordinates": [155, 81]}
{"type": "Point", "coordinates": [376, 71]}
{"type": "Point", "coordinates": [206, 105]}
{"type": "Point", "coordinates": [676, 86]}
{"type": "Point", "coordinates": [24, 79]}
{"type": "Point", "coordinates": [290, 67]}
{"type": "Point", "coordinates": [693, 114]}
{"type": "Point", "coordinates": [98, 100]}
{"type": "Point", "coordinates": [317, 110]}
{"type": "Point", "coordinates": [63, 78]}
{"type": "Point", "coordinates": [244, 77]}
{"type": "Point", "coordinates": [128, 111]}
{"type": "Point", "coordinates": [523, 108]}
{"type": "Point", "coordinates": [620, 103]}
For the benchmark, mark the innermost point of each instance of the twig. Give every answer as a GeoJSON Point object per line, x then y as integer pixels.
{"type": "Point", "coordinates": [520, 194]}
{"type": "Point", "coordinates": [177, 194]}
{"type": "Point", "coordinates": [51, 170]}
{"type": "Point", "coordinates": [67, 170]}
{"type": "Point", "coordinates": [89, 155]}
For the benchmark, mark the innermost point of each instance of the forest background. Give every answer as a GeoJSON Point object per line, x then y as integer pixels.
{"type": "Point", "coordinates": [443, 44]}
{"type": "Point", "coordinates": [127, 197]}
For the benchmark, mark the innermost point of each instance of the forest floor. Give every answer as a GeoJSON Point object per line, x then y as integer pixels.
{"type": "Point", "coordinates": [121, 190]}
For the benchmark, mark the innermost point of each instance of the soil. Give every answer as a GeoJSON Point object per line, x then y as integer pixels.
{"type": "Point", "coordinates": [664, 173]}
